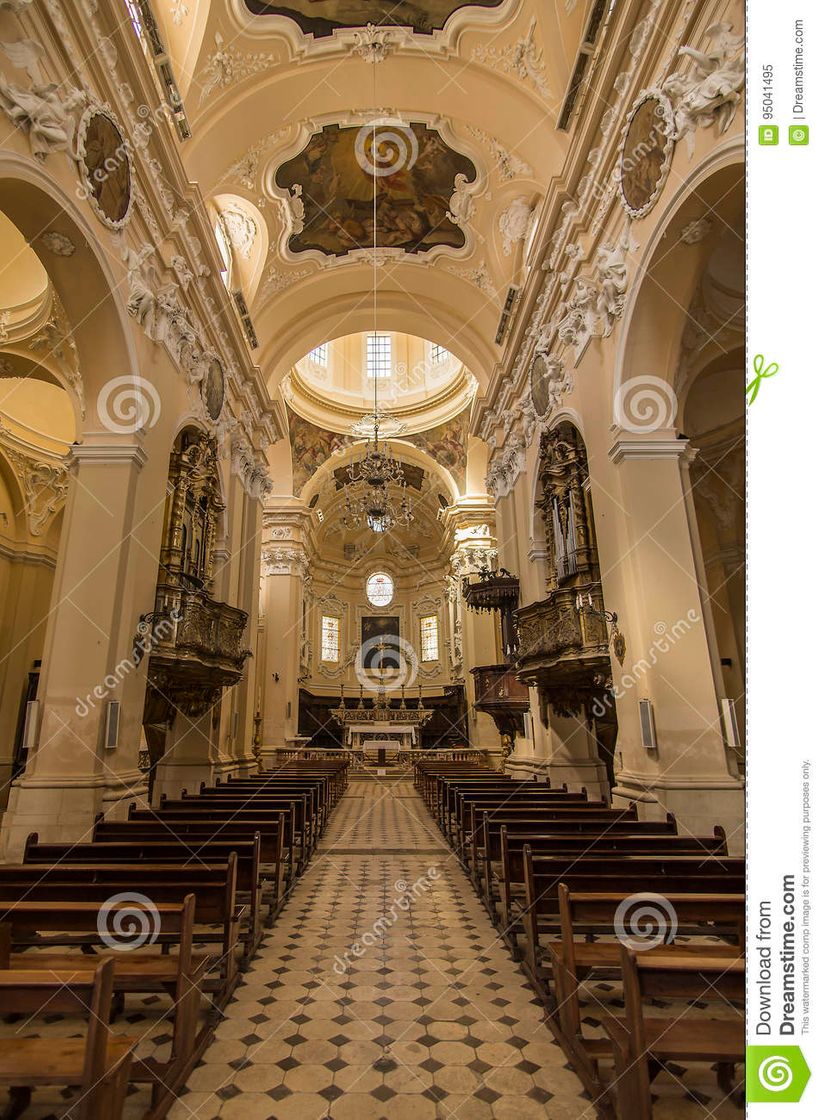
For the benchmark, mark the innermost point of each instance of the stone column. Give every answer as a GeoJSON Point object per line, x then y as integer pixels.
{"type": "Point", "coordinates": [284, 576]}
{"type": "Point", "coordinates": [652, 582]}
{"type": "Point", "coordinates": [237, 581]}
{"type": "Point", "coordinates": [572, 757]}
{"type": "Point", "coordinates": [472, 521]}
{"type": "Point", "coordinates": [246, 691]}
{"type": "Point", "coordinates": [192, 755]}
{"type": "Point", "coordinates": [103, 581]}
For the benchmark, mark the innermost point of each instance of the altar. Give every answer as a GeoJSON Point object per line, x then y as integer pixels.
{"type": "Point", "coordinates": [360, 736]}
{"type": "Point", "coordinates": [381, 729]}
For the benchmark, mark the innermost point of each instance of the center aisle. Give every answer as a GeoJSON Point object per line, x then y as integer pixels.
{"type": "Point", "coordinates": [431, 1018]}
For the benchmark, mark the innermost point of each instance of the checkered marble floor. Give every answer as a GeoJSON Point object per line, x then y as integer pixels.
{"type": "Point", "coordinates": [382, 991]}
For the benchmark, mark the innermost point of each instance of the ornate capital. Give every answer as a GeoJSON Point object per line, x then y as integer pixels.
{"type": "Point", "coordinates": [285, 562]}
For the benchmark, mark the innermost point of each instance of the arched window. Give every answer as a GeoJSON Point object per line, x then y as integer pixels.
{"type": "Point", "coordinates": [224, 249]}
{"type": "Point", "coordinates": [380, 589]}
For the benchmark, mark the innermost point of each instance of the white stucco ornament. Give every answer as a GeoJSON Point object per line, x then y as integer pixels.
{"type": "Point", "coordinates": [710, 90]}
{"type": "Point", "coordinates": [461, 204]}
{"type": "Point", "coordinates": [45, 111]}
{"type": "Point", "coordinates": [515, 223]}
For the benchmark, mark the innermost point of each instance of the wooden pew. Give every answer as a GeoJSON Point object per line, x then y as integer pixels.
{"type": "Point", "coordinates": [641, 1041]}
{"type": "Point", "coordinates": [335, 770]}
{"type": "Point", "coordinates": [274, 855]}
{"type": "Point", "coordinates": [582, 817]}
{"type": "Point", "coordinates": [611, 874]}
{"type": "Point", "coordinates": [575, 957]}
{"type": "Point", "coordinates": [460, 816]}
{"type": "Point", "coordinates": [589, 843]}
{"type": "Point", "coordinates": [448, 790]}
{"type": "Point", "coordinates": [487, 851]}
{"type": "Point", "coordinates": [469, 807]}
{"type": "Point", "coordinates": [192, 808]}
{"type": "Point", "coordinates": [172, 851]}
{"type": "Point", "coordinates": [247, 798]}
{"type": "Point", "coordinates": [329, 787]}
{"type": "Point", "coordinates": [202, 816]}
{"type": "Point", "coordinates": [180, 975]}
{"type": "Point", "coordinates": [427, 775]}
{"type": "Point", "coordinates": [471, 828]}
{"type": "Point", "coordinates": [214, 887]}
{"type": "Point", "coordinates": [97, 1065]}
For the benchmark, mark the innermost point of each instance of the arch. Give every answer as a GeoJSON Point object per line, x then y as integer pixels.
{"type": "Point", "coordinates": [9, 479]}
{"type": "Point", "coordinates": [83, 281]}
{"type": "Point", "coordinates": [537, 526]}
{"type": "Point", "coordinates": [398, 447]}
{"type": "Point", "coordinates": [300, 319]}
{"type": "Point", "coordinates": [248, 241]}
{"type": "Point", "coordinates": [656, 308]}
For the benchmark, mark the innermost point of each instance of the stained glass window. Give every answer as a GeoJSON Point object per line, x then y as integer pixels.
{"type": "Point", "coordinates": [380, 589]}
{"type": "Point", "coordinates": [330, 638]}
{"type": "Point", "coordinates": [429, 638]}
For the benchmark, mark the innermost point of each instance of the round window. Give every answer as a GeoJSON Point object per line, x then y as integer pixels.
{"type": "Point", "coordinates": [380, 589]}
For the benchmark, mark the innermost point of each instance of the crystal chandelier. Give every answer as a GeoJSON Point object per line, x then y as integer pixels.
{"type": "Point", "coordinates": [368, 499]}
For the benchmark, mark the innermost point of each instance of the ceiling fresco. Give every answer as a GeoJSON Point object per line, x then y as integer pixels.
{"type": "Point", "coordinates": [312, 446]}
{"type": "Point", "coordinates": [322, 17]}
{"type": "Point", "coordinates": [334, 179]}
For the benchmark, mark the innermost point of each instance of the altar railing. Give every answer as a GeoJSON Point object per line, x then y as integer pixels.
{"type": "Point", "coordinates": [275, 755]}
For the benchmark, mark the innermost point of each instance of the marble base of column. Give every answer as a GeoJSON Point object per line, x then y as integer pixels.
{"type": "Point", "coordinates": [697, 804]}
{"type": "Point", "coordinates": [64, 809]}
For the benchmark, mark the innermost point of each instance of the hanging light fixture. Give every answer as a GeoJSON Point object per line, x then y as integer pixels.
{"type": "Point", "coordinates": [367, 497]}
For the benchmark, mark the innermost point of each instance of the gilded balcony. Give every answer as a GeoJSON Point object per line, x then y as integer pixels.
{"type": "Point", "coordinates": [564, 652]}
{"type": "Point", "coordinates": [197, 647]}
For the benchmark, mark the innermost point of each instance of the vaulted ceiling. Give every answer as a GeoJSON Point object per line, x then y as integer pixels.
{"type": "Point", "coordinates": [291, 104]}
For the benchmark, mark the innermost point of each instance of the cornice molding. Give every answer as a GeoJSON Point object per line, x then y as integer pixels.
{"type": "Point", "coordinates": [663, 444]}
{"type": "Point", "coordinates": [106, 454]}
